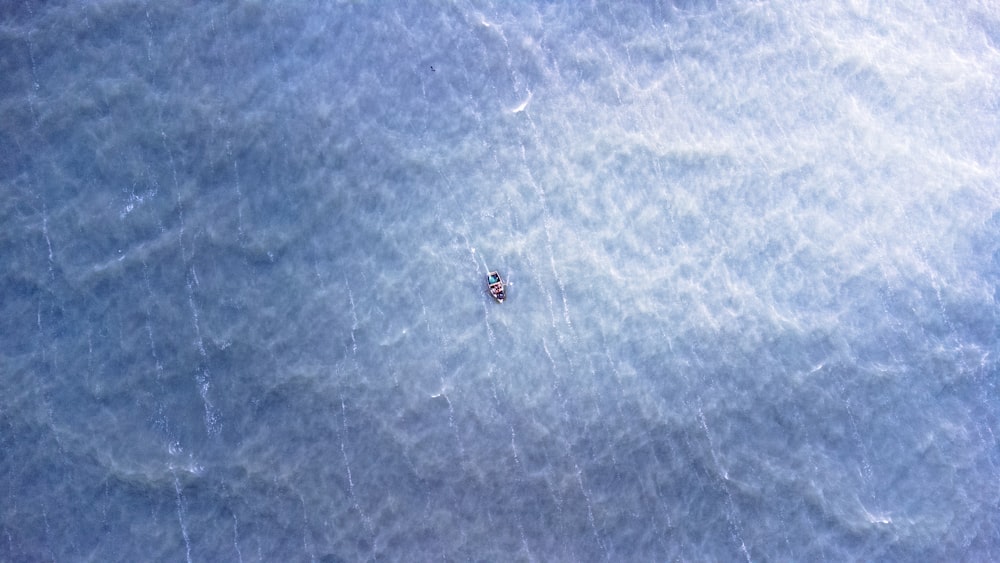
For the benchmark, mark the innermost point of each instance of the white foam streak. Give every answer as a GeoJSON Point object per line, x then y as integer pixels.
{"type": "Point", "coordinates": [239, 193]}
{"type": "Point", "coordinates": [732, 516]}
{"type": "Point", "coordinates": [202, 376]}
{"type": "Point", "coordinates": [546, 223]}
{"type": "Point", "coordinates": [305, 529]}
{"type": "Point", "coordinates": [354, 318]}
{"type": "Point", "coordinates": [590, 510]}
{"type": "Point", "coordinates": [523, 105]}
{"type": "Point", "coordinates": [513, 446]}
{"type": "Point", "coordinates": [454, 427]}
{"type": "Point", "coordinates": [489, 328]}
{"type": "Point", "coordinates": [350, 478]}
{"type": "Point", "coordinates": [182, 516]}
{"type": "Point", "coordinates": [236, 539]}
{"type": "Point", "coordinates": [48, 241]}
{"type": "Point", "coordinates": [524, 543]}
{"type": "Point", "coordinates": [866, 472]}
{"type": "Point", "coordinates": [35, 86]}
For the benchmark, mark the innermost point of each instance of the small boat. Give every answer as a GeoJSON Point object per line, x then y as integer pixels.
{"type": "Point", "coordinates": [496, 286]}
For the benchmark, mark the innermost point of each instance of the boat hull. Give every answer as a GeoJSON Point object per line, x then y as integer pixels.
{"type": "Point", "coordinates": [496, 286]}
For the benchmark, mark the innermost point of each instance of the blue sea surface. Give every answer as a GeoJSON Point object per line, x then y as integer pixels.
{"type": "Point", "coordinates": [753, 254]}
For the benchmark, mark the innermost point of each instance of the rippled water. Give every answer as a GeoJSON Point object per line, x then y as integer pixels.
{"type": "Point", "coordinates": [753, 252]}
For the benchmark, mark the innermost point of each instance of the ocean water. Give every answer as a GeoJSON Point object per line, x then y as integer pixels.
{"type": "Point", "coordinates": [753, 251]}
